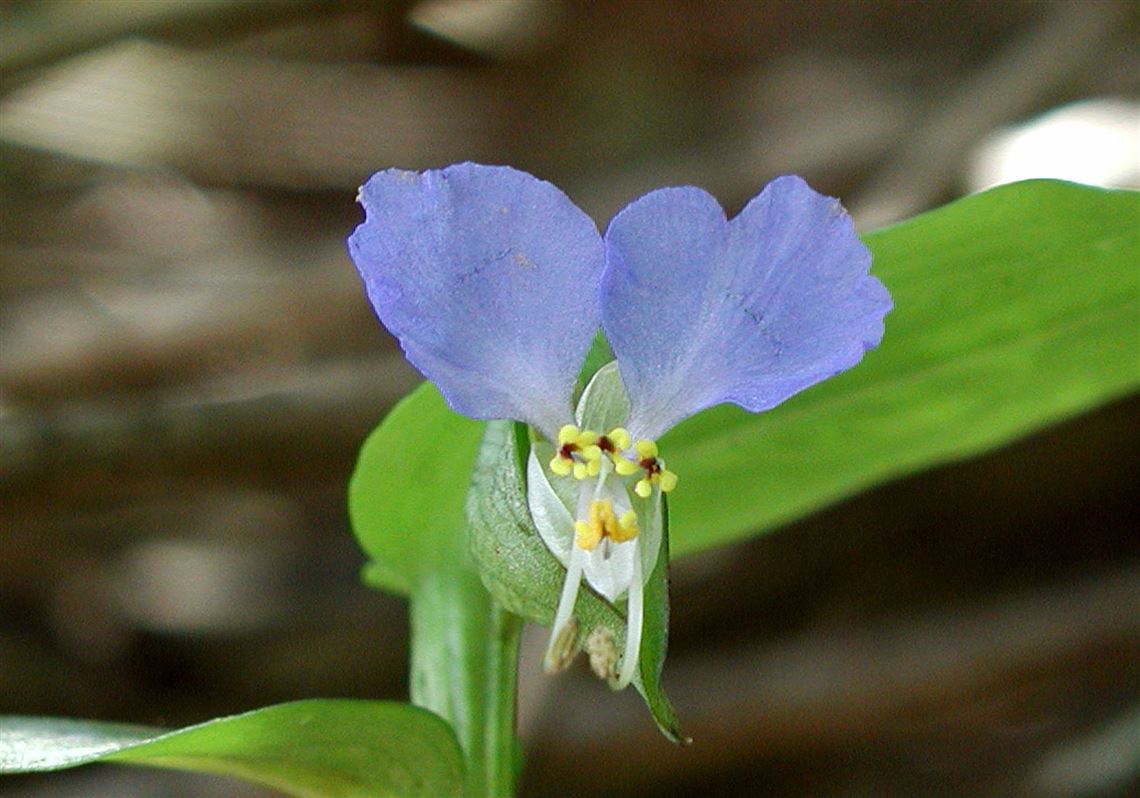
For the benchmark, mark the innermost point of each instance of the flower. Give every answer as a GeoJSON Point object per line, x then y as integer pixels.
{"type": "Point", "coordinates": [496, 285]}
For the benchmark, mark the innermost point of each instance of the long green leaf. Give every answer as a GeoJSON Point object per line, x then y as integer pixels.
{"type": "Point", "coordinates": [313, 749]}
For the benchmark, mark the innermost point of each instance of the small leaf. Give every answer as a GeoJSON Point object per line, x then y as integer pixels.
{"type": "Point", "coordinates": [311, 749]}
{"type": "Point", "coordinates": [405, 500]}
{"type": "Point", "coordinates": [523, 576]}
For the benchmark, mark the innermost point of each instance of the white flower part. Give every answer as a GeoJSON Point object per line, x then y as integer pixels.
{"type": "Point", "coordinates": [603, 404]}
{"type": "Point", "coordinates": [634, 618]}
{"type": "Point", "coordinates": [614, 570]}
{"type": "Point", "coordinates": [562, 616]}
{"type": "Point", "coordinates": [551, 516]}
{"type": "Point", "coordinates": [609, 566]}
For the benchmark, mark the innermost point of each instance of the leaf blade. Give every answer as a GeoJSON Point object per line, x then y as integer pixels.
{"type": "Point", "coordinates": [329, 748]}
{"type": "Point", "coordinates": [406, 495]}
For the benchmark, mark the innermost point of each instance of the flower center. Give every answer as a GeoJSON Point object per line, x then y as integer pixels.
{"type": "Point", "coordinates": [614, 475]}
{"type": "Point", "coordinates": [580, 452]}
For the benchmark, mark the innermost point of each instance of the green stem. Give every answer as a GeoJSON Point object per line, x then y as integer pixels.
{"type": "Point", "coordinates": [464, 660]}
{"type": "Point", "coordinates": [502, 688]}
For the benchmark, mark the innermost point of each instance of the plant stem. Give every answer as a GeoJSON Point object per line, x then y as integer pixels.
{"type": "Point", "coordinates": [464, 665]}
{"type": "Point", "coordinates": [500, 743]}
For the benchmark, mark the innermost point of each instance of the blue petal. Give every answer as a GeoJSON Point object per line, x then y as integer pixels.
{"type": "Point", "coordinates": [487, 277]}
{"type": "Point", "coordinates": [700, 310]}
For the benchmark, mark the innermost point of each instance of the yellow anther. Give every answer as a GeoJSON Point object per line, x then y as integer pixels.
{"type": "Point", "coordinates": [578, 453]}
{"type": "Point", "coordinates": [646, 449]}
{"type": "Point", "coordinates": [643, 488]}
{"type": "Point", "coordinates": [586, 438]}
{"type": "Point", "coordinates": [602, 652]}
{"type": "Point", "coordinates": [585, 536]}
{"type": "Point", "coordinates": [627, 528]}
{"type": "Point", "coordinates": [619, 437]}
{"type": "Point", "coordinates": [625, 467]}
{"type": "Point", "coordinates": [668, 480]}
{"type": "Point", "coordinates": [563, 647]}
{"type": "Point", "coordinates": [603, 523]}
{"type": "Point", "coordinates": [568, 434]}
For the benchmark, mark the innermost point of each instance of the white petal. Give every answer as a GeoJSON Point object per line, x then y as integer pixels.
{"type": "Point", "coordinates": [552, 519]}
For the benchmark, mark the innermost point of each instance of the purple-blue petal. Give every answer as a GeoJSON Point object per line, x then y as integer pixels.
{"type": "Point", "coordinates": [487, 277]}
{"type": "Point", "coordinates": [701, 310]}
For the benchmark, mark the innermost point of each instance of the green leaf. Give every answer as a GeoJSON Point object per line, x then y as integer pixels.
{"type": "Point", "coordinates": [1013, 310]}
{"type": "Point", "coordinates": [314, 749]}
{"type": "Point", "coordinates": [525, 578]}
{"type": "Point", "coordinates": [405, 499]}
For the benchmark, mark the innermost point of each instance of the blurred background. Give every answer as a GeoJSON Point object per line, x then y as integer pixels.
{"type": "Point", "coordinates": [188, 367]}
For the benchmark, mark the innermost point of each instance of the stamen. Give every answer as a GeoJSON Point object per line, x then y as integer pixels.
{"type": "Point", "coordinates": [568, 434]}
{"type": "Point", "coordinates": [556, 650]}
{"type": "Point", "coordinates": [634, 613]}
{"type": "Point", "coordinates": [602, 652]}
{"type": "Point", "coordinates": [650, 464]}
{"type": "Point", "coordinates": [627, 528]}
{"type": "Point", "coordinates": [625, 467]}
{"type": "Point", "coordinates": [619, 438]}
{"type": "Point", "coordinates": [563, 647]}
{"type": "Point", "coordinates": [586, 535]}
{"type": "Point", "coordinates": [587, 438]}
{"type": "Point", "coordinates": [590, 453]}
{"type": "Point", "coordinates": [603, 526]}
{"type": "Point", "coordinates": [579, 453]}
{"type": "Point", "coordinates": [646, 449]}
{"type": "Point", "coordinates": [562, 466]}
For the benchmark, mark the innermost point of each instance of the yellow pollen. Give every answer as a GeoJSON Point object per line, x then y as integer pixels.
{"type": "Point", "coordinates": [625, 467]}
{"type": "Point", "coordinates": [619, 437]}
{"type": "Point", "coordinates": [568, 434]}
{"type": "Point", "coordinates": [578, 453]}
{"type": "Point", "coordinates": [586, 438]}
{"type": "Point", "coordinates": [591, 452]}
{"type": "Point", "coordinates": [646, 449]}
{"type": "Point", "coordinates": [603, 523]}
{"type": "Point", "coordinates": [627, 528]}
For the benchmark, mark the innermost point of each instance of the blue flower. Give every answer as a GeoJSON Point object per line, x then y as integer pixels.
{"type": "Point", "coordinates": [496, 284]}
